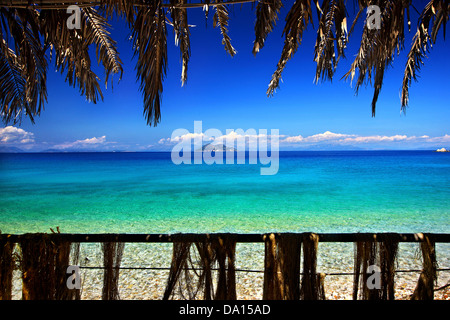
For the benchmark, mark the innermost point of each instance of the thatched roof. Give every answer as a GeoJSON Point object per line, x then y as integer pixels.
{"type": "Point", "coordinates": [35, 32]}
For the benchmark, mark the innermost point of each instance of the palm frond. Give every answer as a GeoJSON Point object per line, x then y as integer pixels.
{"type": "Point", "coordinates": [297, 20]}
{"type": "Point", "coordinates": [98, 34]}
{"type": "Point", "coordinates": [220, 20]}
{"type": "Point", "coordinates": [379, 46]}
{"type": "Point", "coordinates": [436, 12]}
{"type": "Point", "coordinates": [150, 43]}
{"type": "Point", "coordinates": [266, 17]}
{"type": "Point", "coordinates": [25, 67]}
{"type": "Point", "coordinates": [12, 85]}
{"type": "Point", "coordinates": [71, 49]}
{"type": "Point", "coordinates": [30, 28]}
{"type": "Point", "coordinates": [181, 29]}
{"type": "Point", "coordinates": [331, 16]}
{"type": "Point", "coordinates": [123, 8]}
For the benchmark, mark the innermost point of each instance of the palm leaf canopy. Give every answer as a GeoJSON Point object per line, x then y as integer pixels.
{"type": "Point", "coordinates": [35, 33]}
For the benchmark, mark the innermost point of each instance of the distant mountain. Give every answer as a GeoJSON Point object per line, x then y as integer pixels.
{"type": "Point", "coordinates": [72, 150]}
{"type": "Point", "coordinates": [216, 148]}
{"type": "Point", "coordinates": [52, 151]}
{"type": "Point", "coordinates": [4, 149]}
{"type": "Point", "coordinates": [330, 147]}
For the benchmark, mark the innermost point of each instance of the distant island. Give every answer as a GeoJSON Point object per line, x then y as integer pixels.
{"type": "Point", "coordinates": [442, 150]}
{"type": "Point", "coordinates": [216, 148]}
{"type": "Point", "coordinates": [4, 149]}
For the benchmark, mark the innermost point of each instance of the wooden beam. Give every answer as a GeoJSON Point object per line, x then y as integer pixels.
{"type": "Point", "coordinates": [60, 5]}
{"type": "Point", "coordinates": [238, 237]}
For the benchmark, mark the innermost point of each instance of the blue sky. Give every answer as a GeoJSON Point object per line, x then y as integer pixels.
{"type": "Point", "coordinates": [230, 93]}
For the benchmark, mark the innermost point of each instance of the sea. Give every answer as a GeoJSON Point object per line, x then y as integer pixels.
{"type": "Point", "coordinates": [146, 192]}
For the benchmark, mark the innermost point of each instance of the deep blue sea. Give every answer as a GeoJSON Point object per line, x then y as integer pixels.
{"type": "Point", "coordinates": [341, 191]}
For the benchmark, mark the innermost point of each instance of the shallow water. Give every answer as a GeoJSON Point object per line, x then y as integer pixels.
{"type": "Point", "coordinates": [357, 191]}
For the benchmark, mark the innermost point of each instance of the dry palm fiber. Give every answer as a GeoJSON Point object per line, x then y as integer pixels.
{"type": "Point", "coordinates": [365, 255]}
{"type": "Point", "coordinates": [312, 283]}
{"type": "Point", "coordinates": [321, 286]}
{"type": "Point", "coordinates": [38, 267]}
{"type": "Point", "coordinates": [206, 259]}
{"type": "Point", "coordinates": [187, 273]}
{"type": "Point", "coordinates": [192, 266]}
{"type": "Point", "coordinates": [67, 250]}
{"type": "Point", "coordinates": [6, 269]}
{"type": "Point", "coordinates": [179, 263]}
{"type": "Point", "coordinates": [186, 277]}
{"type": "Point", "coordinates": [112, 256]}
{"type": "Point", "coordinates": [225, 255]}
{"type": "Point", "coordinates": [382, 256]}
{"type": "Point", "coordinates": [425, 285]}
{"type": "Point", "coordinates": [388, 257]}
{"type": "Point", "coordinates": [282, 267]}
{"type": "Point", "coordinates": [44, 261]}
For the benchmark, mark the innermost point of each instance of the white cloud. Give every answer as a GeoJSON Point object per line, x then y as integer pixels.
{"type": "Point", "coordinates": [443, 139]}
{"type": "Point", "coordinates": [375, 139]}
{"type": "Point", "coordinates": [340, 138]}
{"type": "Point", "coordinates": [326, 136]}
{"type": "Point", "coordinates": [13, 135]}
{"type": "Point", "coordinates": [215, 136]}
{"type": "Point", "coordinates": [90, 142]}
{"type": "Point", "coordinates": [186, 136]}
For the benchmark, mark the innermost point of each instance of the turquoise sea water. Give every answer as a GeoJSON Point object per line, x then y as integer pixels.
{"type": "Point", "coordinates": [353, 191]}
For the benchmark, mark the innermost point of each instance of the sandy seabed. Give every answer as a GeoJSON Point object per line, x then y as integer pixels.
{"type": "Point", "coordinates": [148, 284]}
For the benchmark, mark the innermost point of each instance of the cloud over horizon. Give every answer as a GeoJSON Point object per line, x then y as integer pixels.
{"type": "Point", "coordinates": [353, 138]}
{"type": "Point", "coordinates": [327, 137]}
{"type": "Point", "coordinates": [11, 135]}
{"type": "Point", "coordinates": [93, 142]}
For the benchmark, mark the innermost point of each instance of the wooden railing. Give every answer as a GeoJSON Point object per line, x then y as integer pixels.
{"type": "Point", "coordinates": [44, 257]}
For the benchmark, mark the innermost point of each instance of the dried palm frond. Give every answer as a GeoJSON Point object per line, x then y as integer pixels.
{"type": "Point", "coordinates": [297, 20]}
{"type": "Point", "coordinates": [150, 45]}
{"type": "Point", "coordinates": [332, 14]}
{"type": "Point", "coordinates": [382, 254]}
{"type": "Point", "coordinates": [379, 46]}
{"type": "Point", "coordinates": [312, 282]}
{"type": "Point", "coordinates": [180, 257]}
{"type": "Point", "coordinates": [6, 269]}
{"type": "Point", "coordinates": [43, 262]}
{"type": "Point", "coordinates": [71, 51]}
{"type": "Point", "coordinates": [225, 252]}
{"type": "Point", "coordinates": [124, 8]}
{"type": "Point", "coordinates": [282, 267]}
{"type": "Point", "coordinates": [266, 17]}
{"type": "Point", "coordinates": [23, 70]}
{"type": "Point", "coordinates": [181, 29]}
{"type": "Point", "coordinates": [12, 85]}
{"type": "Point", "coordinates": [191, 271]}
{"type": "Point", "coordinates": [29, 28]}
{"type": "Point", "coordinates": [106, 47]}
{"type": "Point", "coordinates": [112, 257]}
{"type": "Point", "coordinates": [206, 10]}
{"type": "Point", "coordinates": [436, 12]}
{"type": "Point", "coordinates": [220, 20]}
{"type": "Point", "coordinates": [428, 277]}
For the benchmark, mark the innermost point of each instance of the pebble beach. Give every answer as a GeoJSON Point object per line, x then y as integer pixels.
{"type": "Point", "coordinates": [334, 259]}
